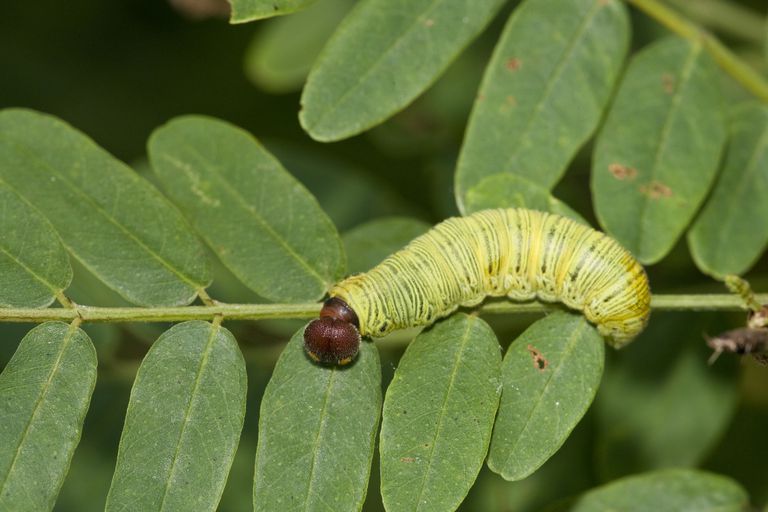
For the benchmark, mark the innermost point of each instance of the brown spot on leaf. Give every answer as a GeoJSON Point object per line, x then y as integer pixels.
{"type": "Point", "coordinates": [622, 172]}
{"type": "Point", "coordinates": [429, 22]}
{"type": "Point", "coordinates": [656, 190]}
{"type": "Point", "coordinates": [481, 97]}
{"type": "Point", "coordinates": [513, 63]}
{"type": "Point", "coordinates": [539, 361]}
{"type": "Point", "coordinates": [668, 83]}
{"type": "Point", "coordinates": [407, 459]}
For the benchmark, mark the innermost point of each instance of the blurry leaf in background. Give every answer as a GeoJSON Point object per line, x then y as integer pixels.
{"type": "Point", "coordinates": [183, 422]}
{"type": "Point", "coordinates": [678, 490]}
{"type": "Point", "coordinates": [349, 195]}
{"type": "Point", "coordinates": [317, 427]}
{"type": "Point", "coordinates": [438, 415]}
{"type": "Point", "coordinates": [384, 54]}
{"type": "Point", "coordinates": [244, 11]}
{"type": "Point", "coordinates": [544, 90]}
{"type": "Point", "coordinates": [102, 209]}
{"type": "Point", "coordinates": [731, 231]}
{"type": "Point", "coordinates": [279, 57]}
{"type": "Point", "coordinates": [436, 120]}
{"type": "Point", "coordinates": [506, 190]}
{"type": "Point", "coordinates": [550, 376]}
{"type": "Point", "coordinates": [658, 152]}
{"type": "Point", "coordinates": [261, 223]}
{"type": "Point", "coordinates": [492, 493]}
{"type": "Point", "coordinates": [661, 404]}
{"type": "Point", "coordinates": [744, 454]}
{"type": "Point", "coordinates": [369, 243]}
{"type": "Point", "coordinates": [44, 394]}
{"type": "Point", "coordinates": [34, 267]}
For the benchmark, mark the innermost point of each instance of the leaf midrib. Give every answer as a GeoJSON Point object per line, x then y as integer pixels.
{"type": "Point", "coordinates": [187, 411]}
{"type": "Point", "coordinates": [247, 207]}
{"type": "Point", "coordinates": [663, 139]}
{"type": "Point", "coordinates": [569, 347]}
{"type": "Point", "coordinates": [316, 443]}
{"type": "Point", "coordinates": [723, 227]}
{"type": "Point", "coordinates": [374, 65]}
{"type": "Point", "coordinates": [69, 336]}
{"type": "Point", "coordinates": [452, 380]}
{"type": "Point", "coordinates": [555, 77]}
{"type": "Point", "coordinates": [99, 209]}
{"type": "Point", "coordinates": [45, 282]}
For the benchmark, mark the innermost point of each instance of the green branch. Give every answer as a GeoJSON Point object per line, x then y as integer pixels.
{"type": "Point", "coordinates": [721, 302]}
{"type": "Point", "coordinates": [741, 72]}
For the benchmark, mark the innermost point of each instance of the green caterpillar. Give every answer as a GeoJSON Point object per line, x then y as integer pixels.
{"type": "Point", "coordinates": [518, 253]}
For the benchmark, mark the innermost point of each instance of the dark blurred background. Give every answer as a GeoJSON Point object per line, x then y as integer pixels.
{"type": "Point", "coordinates": [116, 70]}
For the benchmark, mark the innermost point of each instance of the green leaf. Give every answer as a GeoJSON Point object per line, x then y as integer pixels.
{"type": "Point", "coordinates": [44, 395]}
{"type": "Point", "coordinates": [550, 376]}
{"type": "Point", "coordinates": [349, 194]}
{"type": "Point", "coordinates": [109, 218]}
{"type": "Point", "coordinates": [316, 432]}
{"type": "Point", "coordinates": [559, 478]}
{"type": "Point", "coordinates": [249, 10]}
{"type": "Point", "coordinates": [661, 405]}
{"type": "Point", "coordinates": [263, 224]}
{"type": "Point", "coordinates": [544, 91]}
{"type": "Point", "coordinates": [280, 56]}
{"type": "Point", "coordinates": [34, 267]}
{"type": "Point", "coordinates": [681, 490]}
{"type": "Point", "coordinates": [658, 152]}
{"type": "Point", "coordinates": [368, 244]}
{"type": "Point", "coordinates": [438, 415]}
{"type": "Point", "coordinates": [183, 422]}
{"type": "Point", "coordinates": [384, 54]}
{"type": "Point", "coordinates": [504, 190]}
{"type": "Point", "coordinates": [731, 232]}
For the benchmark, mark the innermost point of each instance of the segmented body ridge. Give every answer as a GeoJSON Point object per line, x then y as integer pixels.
{"type": "Point", "coordinates": [519, 253]}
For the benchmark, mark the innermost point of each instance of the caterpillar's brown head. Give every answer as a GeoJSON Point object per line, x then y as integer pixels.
{"type": "Point", "coordinates": [334, 337]}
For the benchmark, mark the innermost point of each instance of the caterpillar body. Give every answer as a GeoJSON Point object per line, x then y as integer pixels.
{"type": "Point", "coordinates": [518, 253]}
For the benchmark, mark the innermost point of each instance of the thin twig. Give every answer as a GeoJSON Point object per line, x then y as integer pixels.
{"type": "Point", "coordinates": [722, 302]}
{"type": "Point", "coordinates": [725, 58]}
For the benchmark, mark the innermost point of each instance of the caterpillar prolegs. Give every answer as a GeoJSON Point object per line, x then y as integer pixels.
{"type": "Point", "coordinates": [518, 253]}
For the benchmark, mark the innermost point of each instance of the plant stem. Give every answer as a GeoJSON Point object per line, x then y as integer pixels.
{"type": "Point", "coordinates": [725, 16]}
{"type": "Point", "coordinates": [722, 302]}
{"type": "Point", "coordinates": [741, 72]}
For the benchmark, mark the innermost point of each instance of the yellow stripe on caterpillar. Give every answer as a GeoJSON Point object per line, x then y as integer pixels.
{"type": "Point", "coordinates": [518, 253]}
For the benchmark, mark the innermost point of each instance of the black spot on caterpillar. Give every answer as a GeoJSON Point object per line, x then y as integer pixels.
{"type": "Point", "coordinates": [518, 253]}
